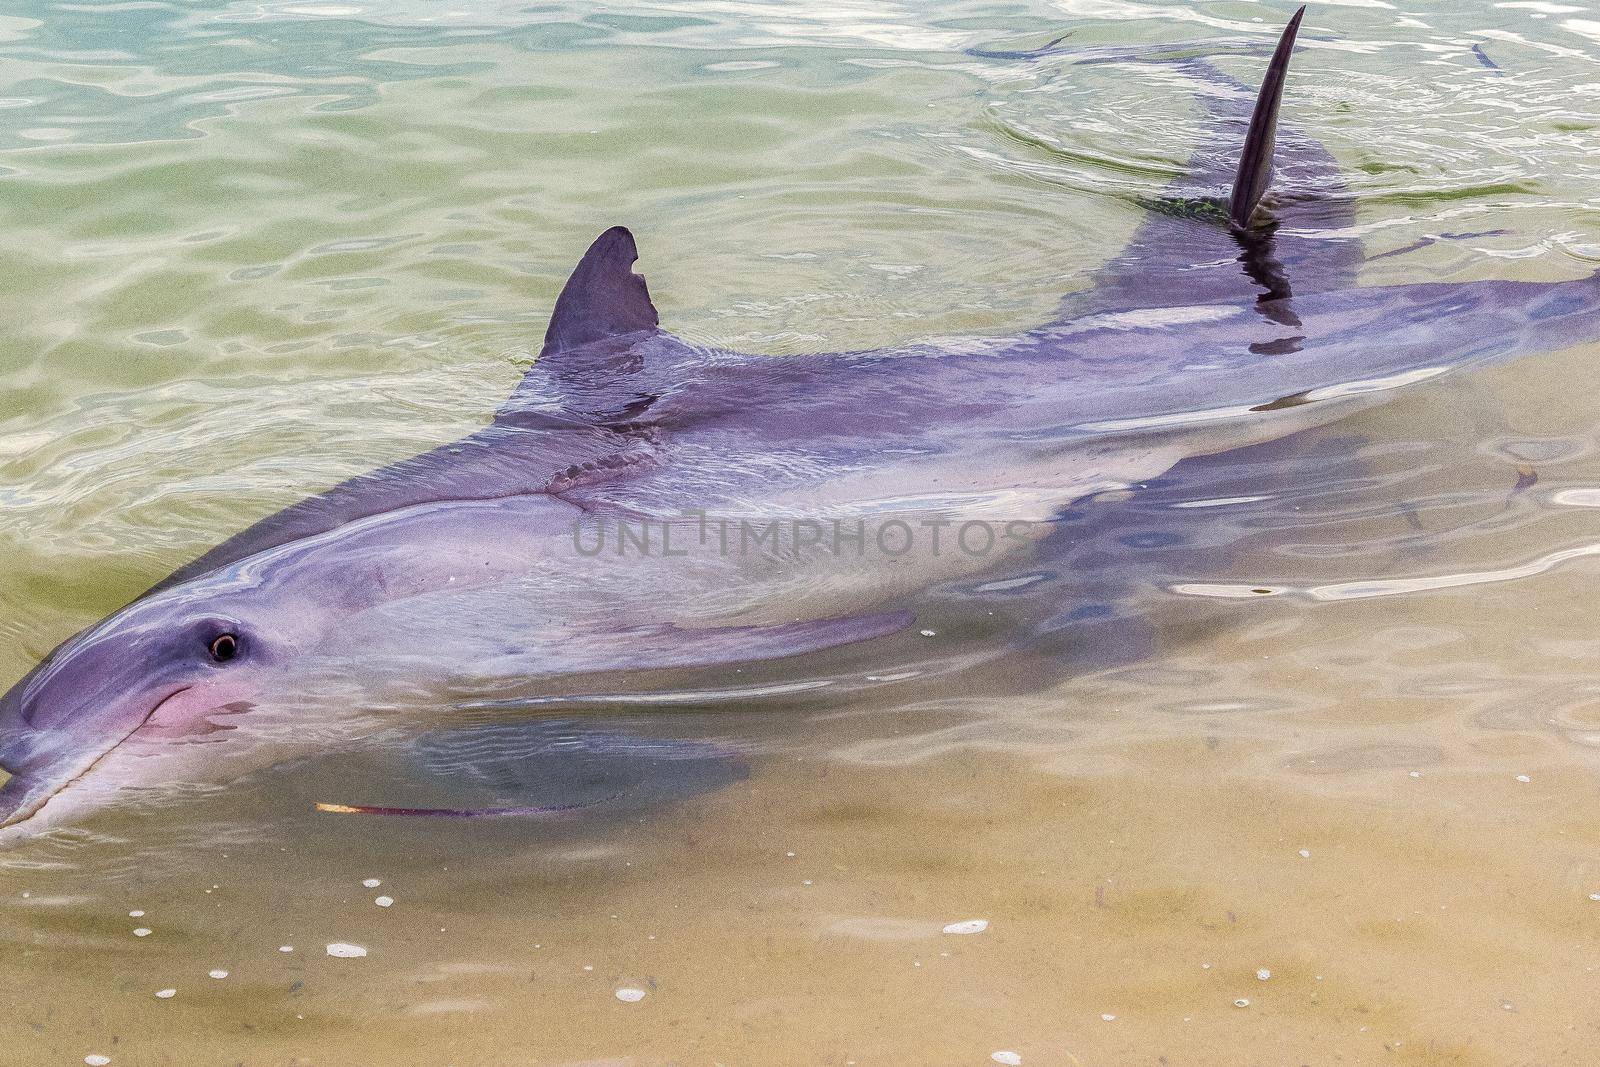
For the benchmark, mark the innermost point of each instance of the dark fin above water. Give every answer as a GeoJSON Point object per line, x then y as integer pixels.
{"type": "Point", "coordinates": [593, 375]}
{"type": "Point", "coordinates": [1188, 251]}
{"type": "Point", "coordinates": [1255, 161]}
{"type": "Point", "coordinates": [605, 358]}
{"type": "Point", "coordinates": [603, 299]}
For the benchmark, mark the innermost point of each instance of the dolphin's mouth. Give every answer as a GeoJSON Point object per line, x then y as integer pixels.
{"type": "Point", "coordinates": [33, 792]}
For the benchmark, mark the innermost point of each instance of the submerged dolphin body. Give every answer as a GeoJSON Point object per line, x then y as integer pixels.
{"type": "Point", "coordinates": [1223, 324]}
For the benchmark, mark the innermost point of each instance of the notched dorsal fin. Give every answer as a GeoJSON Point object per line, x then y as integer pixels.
{"type": "Point", "coordinates": [1255, 161]}
{"type": "Point", "coordinates": [603, 298]}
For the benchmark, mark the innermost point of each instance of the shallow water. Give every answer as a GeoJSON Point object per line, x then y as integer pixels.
{"type": "Point", "coordinates": [256, 247]}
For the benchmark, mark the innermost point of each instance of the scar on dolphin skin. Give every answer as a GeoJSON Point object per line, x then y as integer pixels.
{"type": "Point", "coordinates": [1231, 319]}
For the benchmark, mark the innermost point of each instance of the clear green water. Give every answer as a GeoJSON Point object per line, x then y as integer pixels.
{"type": "Point", "coordinates": [255, 247]}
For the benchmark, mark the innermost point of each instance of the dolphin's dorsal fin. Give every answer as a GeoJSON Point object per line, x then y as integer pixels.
{"type": "Point", "coordinates": [602, 299]}
{"type": "Point", "coordinates": [603, 356]}
{"type": "Point", "coordinates": [1255, 160]}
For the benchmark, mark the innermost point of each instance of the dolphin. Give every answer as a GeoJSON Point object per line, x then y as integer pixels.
{"type": "Point", "coordinates": [751, 507]}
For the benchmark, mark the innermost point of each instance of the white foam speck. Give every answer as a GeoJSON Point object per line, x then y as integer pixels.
{"type": "Point", "coordinates": [968, 926]}
{"type": "Point", "coordinates": [345, 951]}
{"type": "Point", "coordinates": [143, 931]}
{"type": "Point", "coordinates": [1305, 853]}
{"type": "Point", "coordinates": [1523, 778]}
{"type": "Point", "coordinates": [94, 1059]}
{"type": "Point", "coordinates": [929, 633]}
{"type": "Point", "coordinates": [1241, 1003]}
{"type": "Point", "coordinates": [1263, 974]}
{"type": "Point", "coordinates": [1416, 774]}
{"type": "Point", "coordinates": [136, 914]}
{"type": "Point", "coordinates": [285, 948]}
{"type": "Point", "coordinates": [1108, 1017]}
{"type": "Point", "coordinates": [372, 883]}
{"type": "Point", "coordinates": [218, 974]}
{"type": "Point", "coordinates": [384, 902]}
{"type": "Point", "coordinates": [166, 994]}
{"type": "Point", "coordinates": [1007, 1057]}
{"type": "Point", "coordinates": [630, 996]}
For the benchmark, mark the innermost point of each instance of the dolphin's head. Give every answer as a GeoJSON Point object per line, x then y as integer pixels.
{"type": "Point", "coordinates": [162, 669]}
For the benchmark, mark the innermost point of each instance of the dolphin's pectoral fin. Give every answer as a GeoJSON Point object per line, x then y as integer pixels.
{"type": "Point", "coordinates": [546, 767]}
{"type": "Point", "coordinates": [1240, 212]}
{"type": "Point", "coordinates": [1250, 182]}
{"type": "Point", "coordinates": [604, 347]}
{"type": "Point", "coordinates": [1207, 238]}
{"type": "Point", "coordinates": [1257, 251]}
{"type": "Point", "coordinates": [1255, 159]}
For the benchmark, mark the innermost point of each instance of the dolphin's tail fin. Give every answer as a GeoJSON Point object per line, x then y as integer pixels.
{"type": "Point", "coordinates": [1255, 160]}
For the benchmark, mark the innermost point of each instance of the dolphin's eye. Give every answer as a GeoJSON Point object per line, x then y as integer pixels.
{"type": "Point", "coordinates": [224, 647]}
